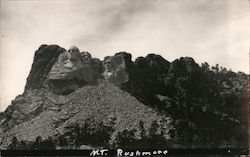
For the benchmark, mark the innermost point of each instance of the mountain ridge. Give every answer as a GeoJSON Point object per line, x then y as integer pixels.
{"type": "Point", "coordinates": [190, 102]}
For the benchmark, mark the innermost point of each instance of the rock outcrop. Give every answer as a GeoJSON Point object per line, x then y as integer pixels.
{"type": "Point", "coordinates": [29, 105]}
{"type": "Point", "coordinates": [45, 57]}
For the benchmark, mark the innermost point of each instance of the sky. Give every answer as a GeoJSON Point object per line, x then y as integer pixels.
{"type": "Point", "coordinates": [213, 31]}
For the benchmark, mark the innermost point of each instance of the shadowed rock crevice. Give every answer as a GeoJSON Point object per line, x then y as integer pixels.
{"type": "Point", "coordinates": [65, 87]}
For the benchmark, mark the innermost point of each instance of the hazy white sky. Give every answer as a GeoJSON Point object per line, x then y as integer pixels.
{"type": "Point", "coordinates": [215, 31]}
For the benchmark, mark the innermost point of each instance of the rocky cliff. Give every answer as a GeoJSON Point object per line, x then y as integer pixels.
{"type": "Point", "coordinates": [72, 99]}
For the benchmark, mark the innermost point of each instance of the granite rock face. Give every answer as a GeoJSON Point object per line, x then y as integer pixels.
{"type": "Point", "coordinates": [72, 70]}
{"type": "Point", "coordinates": [45, 57]}
{"type": "Point", "coordinates": [147, 77]}
{"type": "Point", "coordinates": [116, 68]}
{"type": "Point", "coordinates": [63, 71]}
{"type": "Point", "coordinates": [28, 105]}
{"type": "Point", "coordinates": [187, 103]}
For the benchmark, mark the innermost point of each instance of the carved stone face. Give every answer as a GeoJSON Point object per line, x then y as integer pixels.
{"type": "Point", "coordinates": [85, 55]}
{"type": "Point", "coordinates": [73, 53]}
{"type": "Point", "coordinates": [108, 64]}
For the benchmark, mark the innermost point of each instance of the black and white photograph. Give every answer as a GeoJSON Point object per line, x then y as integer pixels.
{"type": "Point", "coordinates": [124, 77]}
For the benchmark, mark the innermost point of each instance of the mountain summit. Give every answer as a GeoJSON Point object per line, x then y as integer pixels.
{"type": "Point", "coordinates": [74, 101]}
